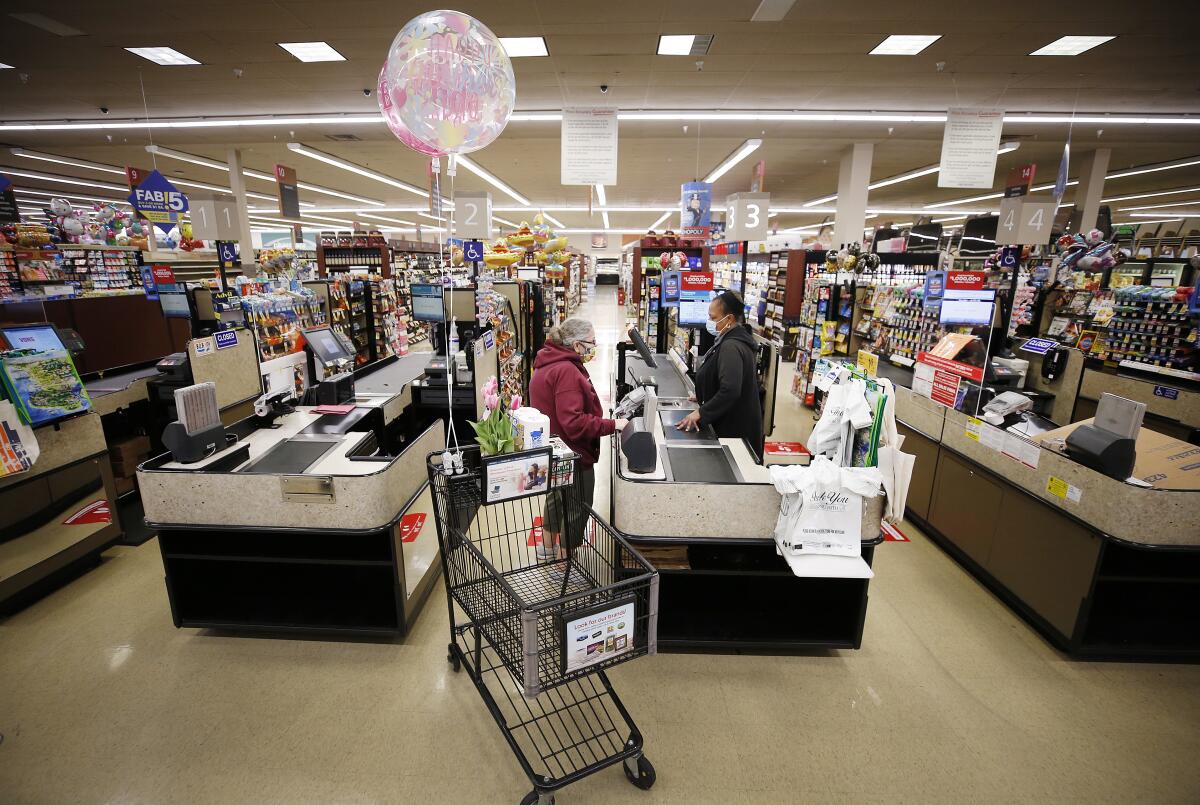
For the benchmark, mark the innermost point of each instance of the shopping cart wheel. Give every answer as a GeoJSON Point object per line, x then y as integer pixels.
{"type": "Point", "coordinates": [452, 658]}
{"type": "Point", "coordinates": [640, 772]}
{"type": "Point", "coordinates": [536, 798]}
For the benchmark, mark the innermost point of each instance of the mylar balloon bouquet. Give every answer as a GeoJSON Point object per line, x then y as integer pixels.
{"type": "Point", "coordinates": [447, 86]}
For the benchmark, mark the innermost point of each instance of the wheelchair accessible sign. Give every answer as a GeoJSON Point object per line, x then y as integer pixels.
{"type": "Point", "coordinates": [159, 201]}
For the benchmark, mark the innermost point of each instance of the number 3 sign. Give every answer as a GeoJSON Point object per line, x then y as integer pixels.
{"type": "Point", "coordinates": [746, 216]}
{"type": "Point", "coordinates": [473, 216]}
{"type": "Point", "coordinates": [1025, 223]}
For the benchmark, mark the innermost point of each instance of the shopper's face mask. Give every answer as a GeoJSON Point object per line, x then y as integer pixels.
{"type": "Point", "coordinates": [589, 350]}
{"type": "Point", "coordinates": [714, 326]}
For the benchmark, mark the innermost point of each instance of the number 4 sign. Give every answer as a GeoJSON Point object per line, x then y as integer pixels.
{"type": "Point", "coordinates": [1025, 223]}
{"type": "Point", "coordinates": [746, 216]}
{"type": "Point", "coordinates": [473, 216]}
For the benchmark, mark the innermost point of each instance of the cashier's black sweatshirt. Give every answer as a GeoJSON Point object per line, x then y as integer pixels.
{"type": "Point", "coordinates": [727, 388]}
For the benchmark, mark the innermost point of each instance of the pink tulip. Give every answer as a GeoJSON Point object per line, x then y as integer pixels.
{"type": "Point", "coordinates": [492, 386]}
{"type": "Point", "coordinates": [491, 401]}
{"type": "Point", "coordinates": [515, 402]}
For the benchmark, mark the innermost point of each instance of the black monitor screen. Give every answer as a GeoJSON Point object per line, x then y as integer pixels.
{"type": "Point", "coordinates": [924, 238]}
{"type": "Point", "coordinates": [174, 305]}
{"type": "Point", "coordinates": [642, 348]}
{"type": "Point", "coordinates": [979, 237]}
{"type": "Point", "coordinates": [326, 346]}
{"type": "Point", "coordinates": [427, 303]}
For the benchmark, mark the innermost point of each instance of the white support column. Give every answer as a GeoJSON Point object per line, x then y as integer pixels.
{"type": "Point", "coordinates": [853, 179]}
{"type": "Point", "coordinates": [1092, 169]}
{"type": "Point", "coordinates": [237, 184]}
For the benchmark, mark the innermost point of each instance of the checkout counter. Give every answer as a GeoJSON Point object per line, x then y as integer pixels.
{"type": "Point", "coordinates": [703, 511]}
{"type": "Point", "coordinates": [1103, 568]}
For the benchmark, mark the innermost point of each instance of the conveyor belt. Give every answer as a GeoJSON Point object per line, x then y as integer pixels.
{"type": "Point", "coordinates": [395, 376]}
{"type": "Point", "coordinates": [291, 457]}
{"type": "Point", "coordinates": [670, 417]}
{"type": "Point", "coordinates": [708, 465]}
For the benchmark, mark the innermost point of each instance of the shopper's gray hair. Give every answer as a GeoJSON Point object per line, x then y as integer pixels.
{"type": "Point", "coordinates": [571, 330]}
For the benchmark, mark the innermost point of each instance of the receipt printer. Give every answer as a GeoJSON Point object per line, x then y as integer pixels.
{"type": "Point", "coordinates": [1103, 451]}
{"type": "Point", "coordinates": [336, 389]}
{"type": "Point", "coordinates": [637, 443]}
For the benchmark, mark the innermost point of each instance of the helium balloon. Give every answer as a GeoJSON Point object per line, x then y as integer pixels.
{"type": "Point", "coordinates": [391, 116]}
{"type": "Point", "coordinates": [451, 82]}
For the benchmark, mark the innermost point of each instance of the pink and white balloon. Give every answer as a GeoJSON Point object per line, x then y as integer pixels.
{"type": "Point", "coordinates": [448, 83]}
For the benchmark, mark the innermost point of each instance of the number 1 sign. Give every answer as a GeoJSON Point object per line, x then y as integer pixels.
{"type": "Point", "coordinates": [473, 216]}
{"type": "Point", "coordinates": [746, 216]}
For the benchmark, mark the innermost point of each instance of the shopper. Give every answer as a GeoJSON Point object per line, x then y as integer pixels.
{"type": "Point", "coordinates": [562, 390]}
{"type": "Point", "coordinates": [727, 381]}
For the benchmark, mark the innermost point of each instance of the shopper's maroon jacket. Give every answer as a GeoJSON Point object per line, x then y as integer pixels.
{"type": "Point", "coordinates": [562, 390]}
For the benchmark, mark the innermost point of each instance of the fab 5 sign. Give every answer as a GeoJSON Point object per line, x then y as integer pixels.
{"type": "Point", "coordinates": [159, 201]}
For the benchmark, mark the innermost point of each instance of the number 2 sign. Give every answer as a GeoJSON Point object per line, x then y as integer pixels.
{"type": "Point", "coordinates": [1025, 223]}
{"type": "Point", "coordinates": [473, 216]}
{"type": "Point", "coordinates": [746, 216]}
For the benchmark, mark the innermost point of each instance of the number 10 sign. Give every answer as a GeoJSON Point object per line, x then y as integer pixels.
{"type": "Point", "coordinates": [1025, 223]}
{"type": "Point", "coordinates": [746, 216]}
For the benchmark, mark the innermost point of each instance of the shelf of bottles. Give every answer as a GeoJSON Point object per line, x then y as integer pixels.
{"type": "Point", "coordinates": [69, 271]}
{"type": "Point", "coordinates": [493, 310]}
{"type": "Point", "coordinates": [276, 311]}
{"type": "Point", "coordinates": [348, 302]}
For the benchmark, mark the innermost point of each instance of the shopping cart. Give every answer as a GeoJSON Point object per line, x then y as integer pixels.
{"type": "Point", "coordinates": [537, 632]}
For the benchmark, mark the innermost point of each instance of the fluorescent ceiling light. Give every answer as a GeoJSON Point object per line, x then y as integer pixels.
{"type": "Point", "coordinates": [684, 44]}
{"type": "Point", "coordinates": [504, 221]}
{"type": "Point", "coordinates": [382, 218]}
{"type": "Point", "coordinates": [1186, 162]}
{"type": "Point", "coordinates": [520, 46]}
{"type": "Point", "coordinates": [169, 57]}
{"type": "Point", "coordinates": [604, 215]}
{"type": "Point", "coordinates": [1071, 45]}
{"type": "Point", "coordinates": [253, 174]}
{"type": "Point", "coordinates": [552, 219]}
{"type": "Point", "coordinates": [4, 66]}
{"type": "Point", "coordinates": [660, 221]}
{"type": "Point", "coordinates": [431, 216]}
{"type": "Point", "coordinates": [904, 44]}
{"type": "Point", "coordinates": [326, 218]}
{"type": "Point", "coordinates": [491, 179]}
{"type": "Point", "coordinates": [69, 196]}
{"type": "Point", "coordinates": [1151, 195]}
{"type": "Point", "coordinates": [823, 200]}
{"type": "Point", "coordinates": [1190, 203]}
{"type": "Point", "coordinates": [748, 148]}
{"type": "Point", "coordinates": [312, 51]}
{"type": "Point", "coordinates": [771, 10]}
{"type": "Point", "coordinates": [329, 159]}
{"type": "Point", "coordinates": [45, 23]}
{"type": "Point", "coordinates": [1185, 214]}
{"type": "Point", "coordinates": [600, 196]}
{"type": "Point", "coordinates": [46, 177]}
{"type": "Point", "coordinates": [947, 218]}
{"type": "Point", "coordinates": [78, 163]}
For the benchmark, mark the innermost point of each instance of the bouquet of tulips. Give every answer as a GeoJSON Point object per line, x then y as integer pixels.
{"type": "Point", "coordinates": [494, 432]}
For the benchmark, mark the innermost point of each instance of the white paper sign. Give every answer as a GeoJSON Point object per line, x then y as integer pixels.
{"type": "Point", "coordinates": [969, 146]}
{"type": "Point", "coordinates": [589, 146]}
{"type": "Point", "coordinates": [473, 216]}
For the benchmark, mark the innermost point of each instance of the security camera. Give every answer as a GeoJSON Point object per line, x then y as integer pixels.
{"type": "Point", "coordinates": [237, 72]}
{"type": "Point", "coordinates": [367, 92]}
{"type": "Point", "coordinates": [104, 110]}
{"type": "Point", "coordinates": [604, 88]}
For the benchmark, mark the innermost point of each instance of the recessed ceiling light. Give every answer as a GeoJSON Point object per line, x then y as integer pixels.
{"type": "Point", "coordinates": [518, 46]}
{"type": "Point", "coordinates": [1071, 45]}
{"type": "Point", "coordinates": [904, 44]}
{"type": "Point", "coordinates": [684, 44]}
{"type": "Point", "coordinates": [46, 24]}
{"type": "Point", "coordinates": [169, 57]}
{"type": "Point", "coordinates": [312, 51]}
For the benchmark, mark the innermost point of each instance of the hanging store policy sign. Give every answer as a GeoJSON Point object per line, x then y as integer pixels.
{"type": "Point", "coordinates": [159, 201]}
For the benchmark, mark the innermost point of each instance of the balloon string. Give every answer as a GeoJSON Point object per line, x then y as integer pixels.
{"type": "Point", "coordinates": [449, 269]}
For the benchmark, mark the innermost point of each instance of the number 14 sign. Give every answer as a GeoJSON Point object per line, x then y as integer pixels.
{"type": "Point", "coordinates": [746, 216]}
{"type": "Point", "coordinates": [1025, 223]}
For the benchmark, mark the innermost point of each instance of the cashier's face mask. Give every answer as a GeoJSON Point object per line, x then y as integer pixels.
{"type": "Point", "coordinates": [713, 326]}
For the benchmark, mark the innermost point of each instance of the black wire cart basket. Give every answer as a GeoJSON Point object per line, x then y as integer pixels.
{"type": "Point", "coordinates": [550, 597]}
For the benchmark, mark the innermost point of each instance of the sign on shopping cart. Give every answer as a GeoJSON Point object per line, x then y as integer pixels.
{"type": "Point", "coordinates": [516, 475]}
{"type": "Point", "coordinates": [597, 634]}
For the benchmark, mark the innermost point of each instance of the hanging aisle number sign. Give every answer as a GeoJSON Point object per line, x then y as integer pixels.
{"type": "Point", "coordinates": [746, 216]}
{"type": "Point", "coordinates": [1025, 223]}
{"type": "Point", "coordinates": [473, 216]}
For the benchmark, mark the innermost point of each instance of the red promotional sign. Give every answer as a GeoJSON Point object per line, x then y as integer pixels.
{"type": "Point", "coordinates": [965, 280]}
{"type": "Point", "coordinates": [696, 281]}
{"type": "Point", "coordinates": [953, 367]}
{"type": "Point", "coordinates": [785, 449]}
{"type": "Point", "coordinates": [535, 533]}
{"type": "Point", "coordinates": [95, 512]}
{"type": "Point", "coordinates": [945, 388]}
{"type": "Point", "coordinates": [892, 534]}
{"type": "Point", "coordinates": [411, 525]}
{"type": "Point", "coordinates": [164, 275]}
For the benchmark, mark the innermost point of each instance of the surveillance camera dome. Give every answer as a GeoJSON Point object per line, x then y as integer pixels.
{"type": "Point", "coordinates": [604, 87]}
{"type": "Point", "coordinates": [104, 110]}
{"type": "Point", "coordinates": [367, 92]}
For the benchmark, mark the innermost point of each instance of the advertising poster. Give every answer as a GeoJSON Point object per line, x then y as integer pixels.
{"type": "Point", "coordinates": [695, 204]}
{"type": "Point", "coordinates": [670, 294]}
{"type": "Point", "coordinates": [516, 475]}
{"type": "Point", "coordinates": [40, 378]}
{"type": "Point", "coordinates": [598, 635]}
{"type": "Point", "coordinates": [935, 287]}
{"type": "Point", "coordinates": [158, 201]}
{"type": "Point", "coordinates": [696, 290]}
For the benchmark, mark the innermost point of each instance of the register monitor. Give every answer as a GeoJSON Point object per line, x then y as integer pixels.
{"type": "Point", "coordinates": [335, 355]}
{"type": "Point", "coordinates": [427, 303]}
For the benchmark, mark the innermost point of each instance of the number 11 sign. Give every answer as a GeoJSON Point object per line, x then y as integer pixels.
{"type": "Point", "coordinates": [746, 216]}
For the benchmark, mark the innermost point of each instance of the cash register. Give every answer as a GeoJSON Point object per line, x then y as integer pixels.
{"type": "Point", "coordinates": [330, 356]}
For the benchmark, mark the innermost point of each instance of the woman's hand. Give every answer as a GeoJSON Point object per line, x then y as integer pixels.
{"type": "Point", "coordinates": [621, 423]}
{"type": "Point", "coordinates": [690, 422]}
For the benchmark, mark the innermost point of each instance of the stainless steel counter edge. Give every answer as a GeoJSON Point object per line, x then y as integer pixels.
{"type": "Point", "coordinates": [361, 502]}
{"type": "Point", "coordinates": [1152, 517]}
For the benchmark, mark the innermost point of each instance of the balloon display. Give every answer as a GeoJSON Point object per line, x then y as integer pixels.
{"type": "Point", "coordinates": [451, 83]}
{"type": "Point", "coordinates": [391, 116]}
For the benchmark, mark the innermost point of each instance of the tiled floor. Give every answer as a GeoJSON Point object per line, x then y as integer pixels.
{"type": "Point", "coordinates": [951, 699]}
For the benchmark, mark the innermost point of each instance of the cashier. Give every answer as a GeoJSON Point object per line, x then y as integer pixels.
{"type": "Point", "coordinates": [727, 381]}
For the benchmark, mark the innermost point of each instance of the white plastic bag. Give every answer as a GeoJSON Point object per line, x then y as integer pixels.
{"type": "Point", "coordinates": [821, 507]}
{"type": "Point", "coordinates": [845, 410]}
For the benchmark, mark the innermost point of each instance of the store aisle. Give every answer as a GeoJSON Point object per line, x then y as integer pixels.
{"type": "Point", "coordinates": [951, 699]}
